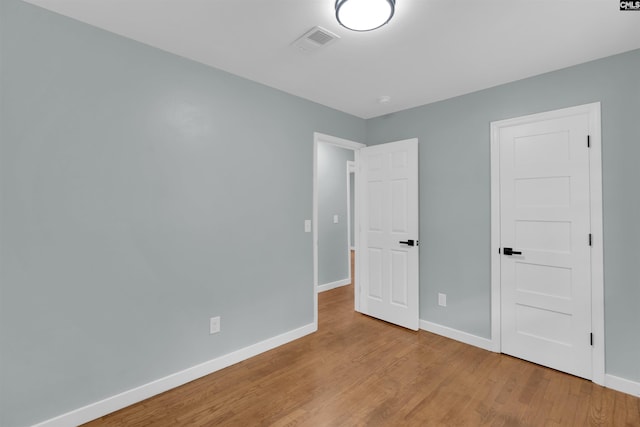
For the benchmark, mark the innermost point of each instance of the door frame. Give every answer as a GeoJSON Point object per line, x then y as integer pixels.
{"type": "Point", "coordinates": [597, 271]}
{"type": "Point", "coordinates": [319, 138]}
{"type": "Point", "coordinates": [351, 169]}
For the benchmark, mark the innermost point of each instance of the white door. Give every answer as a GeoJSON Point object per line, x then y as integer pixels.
{"type": "Point", "coordinates": [545, 262]}
{"type": "Point", "coordinates": [388, 250]}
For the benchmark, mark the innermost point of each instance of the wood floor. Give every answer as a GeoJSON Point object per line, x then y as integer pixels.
{"type": "Point", "coordinates": [357, 371]}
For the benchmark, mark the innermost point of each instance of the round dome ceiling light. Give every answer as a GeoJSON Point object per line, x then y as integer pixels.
{"type": "Point", "coordinates": [364, 15]}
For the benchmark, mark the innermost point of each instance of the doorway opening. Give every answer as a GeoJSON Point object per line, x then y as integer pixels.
{"type": "Point", "coordinates": [335, 221]}
{"type": "Point", "coordinates": [385, 229]}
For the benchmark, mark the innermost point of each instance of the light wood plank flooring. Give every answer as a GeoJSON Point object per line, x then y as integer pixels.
{"type": "Point", "coordinates": [357, 371]}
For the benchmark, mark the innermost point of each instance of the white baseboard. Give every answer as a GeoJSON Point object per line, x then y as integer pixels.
{"type": "Point", "coordinates": [333, 285]}
{"type": "Point", "coordinates": [138, 394]}
{"type": "Point", "coordinates": [622, 384]}
{"type": "Point", "coordinates": [457, 335]}
{"type": "Point", "coordinates": [616, 383]}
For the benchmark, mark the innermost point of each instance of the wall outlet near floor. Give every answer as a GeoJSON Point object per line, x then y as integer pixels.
{"type": "Point", "coordinates": [442, 300]}
{"type": "Point", "coordinates": [214, 325]}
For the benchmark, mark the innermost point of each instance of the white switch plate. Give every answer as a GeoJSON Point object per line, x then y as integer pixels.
{"type": "Point", "coordinates": [214, 325]}
{"type": "Point", "coordinates": [335, 219]}
{"type": "Point", "coordinates": [442, 300]}
{"type": "Point", "coordinates": [307, 226]}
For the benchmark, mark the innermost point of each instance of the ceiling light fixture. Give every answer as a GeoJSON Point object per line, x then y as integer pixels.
{"type": "Point", "coordinates": [364, 15]}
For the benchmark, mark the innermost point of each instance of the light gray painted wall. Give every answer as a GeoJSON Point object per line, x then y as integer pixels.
{"type": "Point", "coordinates": [333, 258]}
{"type": "Point", "coordinates": [141, 193]}
{"type": "Point", "coordinates": [455, 199]}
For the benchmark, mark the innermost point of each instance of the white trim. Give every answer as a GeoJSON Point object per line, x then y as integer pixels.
{"type": "Point", "coordinates": [344, 143]}
{"type": "Point", "coordinates": [138, 394]}
{"type": "Point", "coordinates": [356, 223]}
{"type": "Point", "coordinates": [339, 142]}
{"type": "Point", "coordinates": [622, 384]}
{"type": "Point", "coordinates": [496, 331]}
{"type": "Point", "coordinates": [597, 248]}
{"type": "Point", "coordinates": [610, 381]}
{"type": "Point", "coordinates": [351, 169]}
{"type": "Point", "coordinates": [597, 276]}
{"type": "Point", "coordinates": [454, 334]}
{"type": "Point", "coordinates": [333, 285]}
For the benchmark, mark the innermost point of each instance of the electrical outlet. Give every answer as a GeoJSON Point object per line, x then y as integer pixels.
{"type": "Point", "coordinates": [442, 300]}
{"type": "Point", "coordinates": [214, 325]}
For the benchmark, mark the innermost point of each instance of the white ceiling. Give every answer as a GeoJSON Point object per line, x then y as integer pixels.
{"type": "Point", "coordinates": [431, 50]}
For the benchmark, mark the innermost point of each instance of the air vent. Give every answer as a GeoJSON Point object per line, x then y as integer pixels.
{"type": "Point", "coordinates": [314, 39]}
{"type": "Point", "coordinates": [320, 37]}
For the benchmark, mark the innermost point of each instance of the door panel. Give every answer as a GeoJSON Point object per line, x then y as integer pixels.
{"type": "Point", "coordinates": [389, 282]}
{"type": "Point", "coordinates": [544, 211]}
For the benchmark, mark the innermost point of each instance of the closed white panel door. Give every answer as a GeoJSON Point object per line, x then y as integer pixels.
{"type": "Point", "coordinates": [388, 252]}
{"type": "Point", "coordinates": [545, 226]}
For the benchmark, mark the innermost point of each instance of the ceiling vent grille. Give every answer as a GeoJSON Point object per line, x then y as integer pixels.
{"type": "Point", "coordinates": [314, 39]}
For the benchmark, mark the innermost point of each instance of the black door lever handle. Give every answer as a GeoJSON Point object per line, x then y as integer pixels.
{"type": "Point", "coordinates": [409, 242]}
{"type": "Point", "coordinates": [509, 251]}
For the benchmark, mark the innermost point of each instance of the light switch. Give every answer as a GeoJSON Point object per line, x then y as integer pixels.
{"type": "Point", "coordinates": [335, 219]}
{"type": "Point", "coordinates": [442, 300]}
{"type": "Point", "coordinates": [307, 226]}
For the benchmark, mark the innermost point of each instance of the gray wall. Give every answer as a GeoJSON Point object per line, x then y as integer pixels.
{"type": "Point", "coordinates": [333, 239]}
{"type": "Point", "coordinates": [455, 199]}
{"type": "Point", "coordinates": [141, 194]}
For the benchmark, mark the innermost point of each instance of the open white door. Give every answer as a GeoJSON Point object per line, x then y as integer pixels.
{"type": "Point", "coordinates": [388, 250]}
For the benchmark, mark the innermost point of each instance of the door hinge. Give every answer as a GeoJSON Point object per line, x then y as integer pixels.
{"type": "Point", "coordinates": [591, 338]}
{"type": "Point", "coordinates": [589, 239]}
{"type": "Point", "coordinates": [588, 141]}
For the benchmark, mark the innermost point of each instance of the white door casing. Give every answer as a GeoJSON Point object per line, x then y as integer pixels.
{"type": "Point", "coordinates": [387, 272]}
{"type": "Point", "coordinates": [351, 211]}
{"type": "Point", "coordinates": [548, 207]}
{"type": "Point", "coordinates": [319, 138]}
